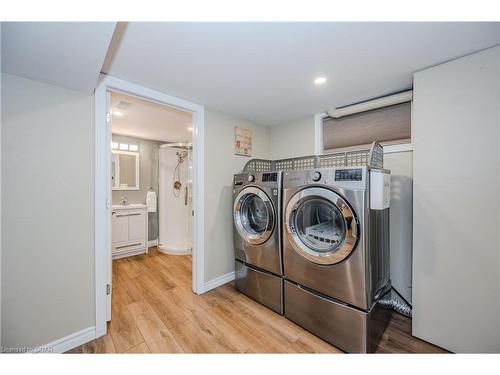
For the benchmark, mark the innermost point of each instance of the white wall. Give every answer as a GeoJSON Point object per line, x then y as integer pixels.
{"type": "Point", "coordinates": [47, 212]}
{"type": "Point", "coordinates": [293, 139]}
{"type": "Point", "coordinates": [401, 220]}
{"type": "Point", "coordinates": [456, 268]}
{"type": "Point", "coordinates": [220, 165]}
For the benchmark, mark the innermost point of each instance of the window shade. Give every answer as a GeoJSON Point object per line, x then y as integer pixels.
{"type": "Point", "coordinates": [386, 124]}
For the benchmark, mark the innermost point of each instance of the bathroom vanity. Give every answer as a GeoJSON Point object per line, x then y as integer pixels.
{"type": "Point", "coordinates": [129, 230]}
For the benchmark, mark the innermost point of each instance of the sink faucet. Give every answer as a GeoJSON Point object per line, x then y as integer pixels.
{"type": "Point", "coordinates": [124, 201]}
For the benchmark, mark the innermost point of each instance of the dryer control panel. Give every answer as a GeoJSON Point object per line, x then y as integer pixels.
{"type": "Point", "coordinates": [342, 177]}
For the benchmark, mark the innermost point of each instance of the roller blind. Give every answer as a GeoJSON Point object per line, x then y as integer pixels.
{"type": "Point", "coordinates": [386, 125]}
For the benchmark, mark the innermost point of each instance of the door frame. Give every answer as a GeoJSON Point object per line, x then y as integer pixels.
{"type": "Point", "coordinates": [102, 192]}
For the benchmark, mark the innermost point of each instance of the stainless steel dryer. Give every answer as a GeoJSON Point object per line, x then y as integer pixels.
{"type": "Point", "coordinates": [336, 253]}
{"type": "Point", "coordinates": [257, 237]}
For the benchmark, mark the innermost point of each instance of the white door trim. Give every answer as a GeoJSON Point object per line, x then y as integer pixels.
{"type": "Point", "coordinates": [103, 186]}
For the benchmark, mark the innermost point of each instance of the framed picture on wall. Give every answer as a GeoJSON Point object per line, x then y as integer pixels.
{"type": "Point", "coordinates": [242, 141]}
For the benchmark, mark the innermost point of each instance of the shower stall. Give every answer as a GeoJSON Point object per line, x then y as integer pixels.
{"type": "Point", "coordinates": [175, 198]}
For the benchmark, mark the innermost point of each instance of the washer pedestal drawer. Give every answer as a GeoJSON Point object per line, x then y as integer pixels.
{"type": "Point", "coordinates": [347, 328]}
{"type": "Point", "coordinates": [261, 286]}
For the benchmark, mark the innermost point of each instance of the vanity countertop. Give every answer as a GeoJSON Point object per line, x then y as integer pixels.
{"type": "Point", "coordinates": [130, 206]}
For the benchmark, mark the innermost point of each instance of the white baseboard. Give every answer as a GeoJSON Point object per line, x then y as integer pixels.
{"type": "Point", "coordinates": [153, 243]}
{"type": "Point", "coordinates": [218, 281]}
{"type": "Point", "coordinates": [69, 342]}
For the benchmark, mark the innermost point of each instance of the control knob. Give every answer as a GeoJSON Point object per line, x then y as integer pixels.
{"type": "Point", "coordinates": [316, 176]}
{"type": "Point", "coordinates": [251, 178]}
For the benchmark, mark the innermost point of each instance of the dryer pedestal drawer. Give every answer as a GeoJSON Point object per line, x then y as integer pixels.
{"type": "Point", "coordinates": [349, 329]}
{"type": "Point", "coordinates": [261, 286]}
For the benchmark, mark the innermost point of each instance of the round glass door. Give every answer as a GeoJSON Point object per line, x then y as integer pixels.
{"type": "Point", "coordinates": [253, 215]}
{"type": "Point", "coordinates": [320, 226]}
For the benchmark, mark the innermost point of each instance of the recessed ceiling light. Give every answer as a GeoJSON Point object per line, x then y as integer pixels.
{"type": "Point", "coordinates": [190, 129]}
{"type": "Point", "coordinates": [117, 113]}
{"type": "Point", "coordinates": [320, 80]}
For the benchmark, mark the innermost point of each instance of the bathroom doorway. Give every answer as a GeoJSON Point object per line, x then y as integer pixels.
{"type": "Point", "coordinates": [151, 165]}
{"type": "Point", "coordinates": [151, 184]}
{"type": "Point", "coordinates": [144, 156]}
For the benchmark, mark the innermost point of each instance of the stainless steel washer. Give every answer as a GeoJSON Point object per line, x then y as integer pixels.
{"type": "Point", "coordinates": [336, 254]}
{"type": "Point", "coordinates": [257, 237]}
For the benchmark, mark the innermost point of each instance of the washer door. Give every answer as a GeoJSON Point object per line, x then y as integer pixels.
{"type": "Point", "coordinates": [254, 215]}
{"type": "Point", "coordinates": [321, 226]}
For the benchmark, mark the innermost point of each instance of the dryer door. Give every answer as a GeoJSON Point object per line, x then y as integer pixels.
{"type": "Point", "coordinates": [321, 226]}
{"type": "Point", "coordinates": [254, 215]}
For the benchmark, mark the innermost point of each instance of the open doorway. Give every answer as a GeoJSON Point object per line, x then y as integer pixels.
{"type": "Point", "coordinates": [152, 197]}
{"type": "Point", "coordinates": [125, 183]}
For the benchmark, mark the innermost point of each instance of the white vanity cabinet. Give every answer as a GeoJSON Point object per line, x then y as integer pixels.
{"type": "Point", "coordinates": [129, 230]}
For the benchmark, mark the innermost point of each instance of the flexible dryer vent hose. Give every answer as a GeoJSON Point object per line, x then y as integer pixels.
{"type": "Point", "coordinates": [395, 302]}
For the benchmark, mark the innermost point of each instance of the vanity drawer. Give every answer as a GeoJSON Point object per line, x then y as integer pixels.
{"type": "Point", "coordinates": [126, 246]}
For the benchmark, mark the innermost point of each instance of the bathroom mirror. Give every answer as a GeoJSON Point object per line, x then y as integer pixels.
{"type": "Point", "coordinates": [124, 170]}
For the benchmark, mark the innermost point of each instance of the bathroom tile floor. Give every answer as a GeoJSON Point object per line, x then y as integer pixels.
{"type": "Point", "coordinates": [155, 311]}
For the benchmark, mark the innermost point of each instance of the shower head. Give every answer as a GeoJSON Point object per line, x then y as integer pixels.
{"type": "Point", "coordinates": [181, 155]}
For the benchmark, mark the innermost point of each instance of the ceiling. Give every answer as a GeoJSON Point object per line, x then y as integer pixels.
{"type": "Point", "coordinates": [67, 54]}
{"type": "Point", "coordinates": [257, 71]}
{"type": "Point", "coordinates": [149, 120]}
{"type": "Point", "coordinates": [264, 71]}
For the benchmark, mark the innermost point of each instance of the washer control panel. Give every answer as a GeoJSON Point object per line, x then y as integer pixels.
{"type": "Point", "coordinates": [266, 177]}
{"type": "Point", "coordinates": [354, 174]}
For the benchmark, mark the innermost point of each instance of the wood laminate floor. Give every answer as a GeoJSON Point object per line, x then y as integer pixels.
{"type": "Point", "coordinates": [155, 311]}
